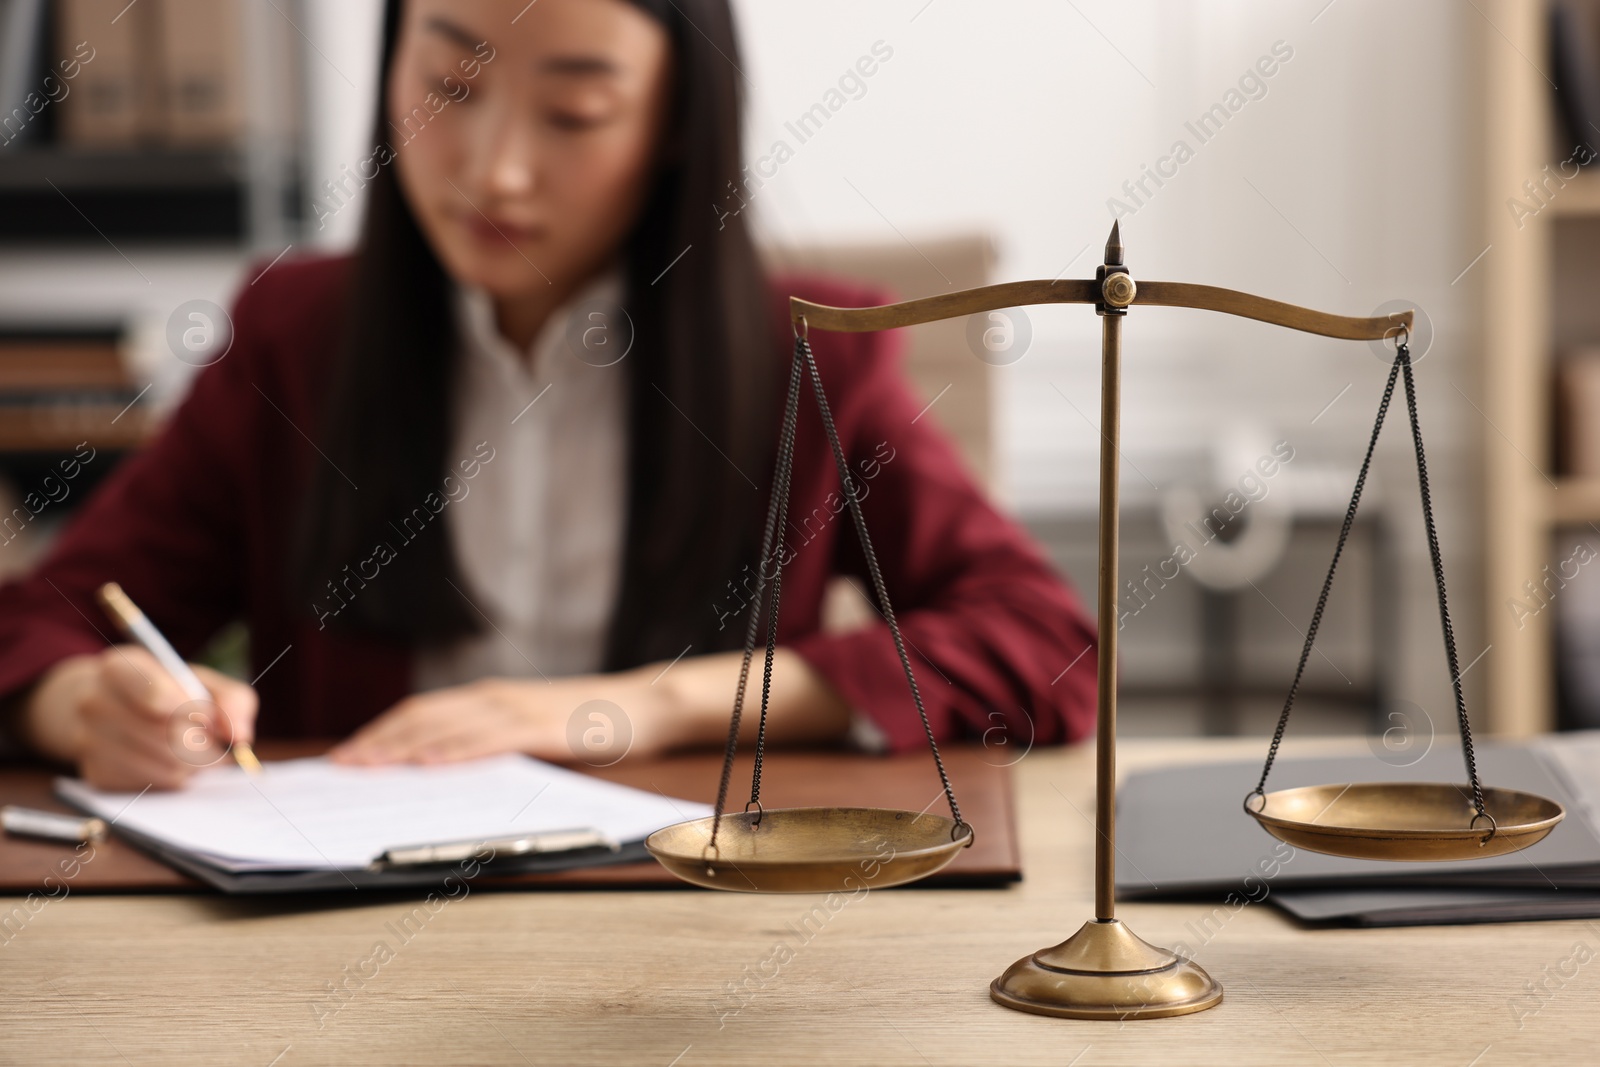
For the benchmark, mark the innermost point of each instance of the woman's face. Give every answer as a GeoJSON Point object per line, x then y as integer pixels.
{"type": "Point", "coordinates": [526, 136]}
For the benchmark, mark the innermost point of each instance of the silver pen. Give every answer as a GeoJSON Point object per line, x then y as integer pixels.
{"type": "Point", "coordinates": [50, 825]}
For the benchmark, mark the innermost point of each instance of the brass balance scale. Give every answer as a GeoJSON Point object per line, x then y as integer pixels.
{"type": "Point", "coordinates": [1104, 970]}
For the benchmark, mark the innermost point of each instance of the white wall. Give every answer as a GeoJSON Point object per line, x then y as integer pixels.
{"type": "Point", "coordinates": [1024, 118]}
{"type": "Point", "coordinates": [341, 63]}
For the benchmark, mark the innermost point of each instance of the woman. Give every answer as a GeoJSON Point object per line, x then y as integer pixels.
{"type": "Point", "coordinates": [511, 458]}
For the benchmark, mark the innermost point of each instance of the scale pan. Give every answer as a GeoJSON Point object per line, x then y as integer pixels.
{"type": "Point", "coordinates": [809, 850]}
{"type": "Point", "coordinates": [1409, 821]}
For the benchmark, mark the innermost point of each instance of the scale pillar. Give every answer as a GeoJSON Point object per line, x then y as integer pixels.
{"type": "Point", "coordinates": [1105, 970]}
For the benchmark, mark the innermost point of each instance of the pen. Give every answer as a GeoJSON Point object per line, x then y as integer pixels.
{"type": "Point", "coordinates": [136, 625]}
{"type": "Point", "coordinates": [50, 825]}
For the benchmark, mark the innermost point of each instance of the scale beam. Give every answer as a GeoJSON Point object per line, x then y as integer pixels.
{"type": "Point", "coordinates": [803, 313]}
{"type": "Point", "coordinates": [945, 306]}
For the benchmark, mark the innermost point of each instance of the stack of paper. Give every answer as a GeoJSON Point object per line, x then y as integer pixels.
{"type": "Point", "coordinates": [313, 814]}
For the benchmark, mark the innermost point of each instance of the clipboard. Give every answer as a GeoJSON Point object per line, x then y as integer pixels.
{"type": "Point", "coordinates": [123, 864]}
{"type": "Point", "coordinates": [416, 875]}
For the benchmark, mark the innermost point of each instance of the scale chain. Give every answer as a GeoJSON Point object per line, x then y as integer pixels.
{"type": "Point", "coordinates": [803, 346]}
{"type": "Point", "coordinates": [764, 599]}
{"type": "Point", "coordinates": [781, 499]}
{"type": "Point", "coordinates": [1327, 583]}
{"type": "Point", "coordinates": [785, 456]}
{"type": "Point", "coordinates": [1402, 366]}
{"type": "Point", "coordinates": [1404, 359]}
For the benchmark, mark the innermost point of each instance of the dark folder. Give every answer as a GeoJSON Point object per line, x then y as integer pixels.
{"type": "Point", "coordinates": [1183, 834]}
{"type": "Point", "coordinates": [1436, 907]}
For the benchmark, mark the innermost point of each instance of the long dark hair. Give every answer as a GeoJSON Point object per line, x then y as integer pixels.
{"type": "Point", "coordinates": [701, 375]}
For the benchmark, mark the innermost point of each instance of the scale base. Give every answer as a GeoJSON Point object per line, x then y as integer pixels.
{"type": "Point", "coordinates": [1106, 971]}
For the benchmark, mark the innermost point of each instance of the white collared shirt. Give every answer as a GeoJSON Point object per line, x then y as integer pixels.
{"type": "Point", "coordinates": [538, 532]}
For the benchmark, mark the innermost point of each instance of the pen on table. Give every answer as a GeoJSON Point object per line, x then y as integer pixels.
{"type": "Point", "coordinates": [50, 825]}
{"type": "Point", "coordinates": [136, 625]}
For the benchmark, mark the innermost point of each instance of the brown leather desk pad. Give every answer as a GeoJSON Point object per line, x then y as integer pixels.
{"type": "Point", "coordinates": [789, 779]}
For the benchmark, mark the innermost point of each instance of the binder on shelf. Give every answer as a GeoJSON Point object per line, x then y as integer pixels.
{"type": "Point", "coordinates": [165, 73]}
{"type": "Point", "coordinates": [202, 72]}
{"type": "Point", "coordinates": [21, 38]}
{"type": "Point", "coordinates": [112, 102]}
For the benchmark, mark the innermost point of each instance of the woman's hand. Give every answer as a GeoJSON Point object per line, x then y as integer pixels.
{"type": "Point", "coordinates": [128, 725]}
{"type": "Point", "coordinates": [600, 718]}
{"type": "Point", "coordinates": [614, 715]}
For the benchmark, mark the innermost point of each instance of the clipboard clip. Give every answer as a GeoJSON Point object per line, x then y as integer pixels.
{"type": "Point", "coordinates": [552, 841]}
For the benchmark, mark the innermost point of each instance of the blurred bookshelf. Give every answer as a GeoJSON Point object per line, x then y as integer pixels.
{"type": "Point", "coordinates": [148, 152]}
{"type": "Point", "coordinates": [58, 390]}
{"type": "Point", "coordinates": [1541, 286]}
{"type": "Point", "coordinates": [1580, 199]}
{"type": "Point", "coordinates": [149, 121]}
{"type": "Point", "coordinates": [1574, 501]}
{"type": "Point", "coordinates": [84, 198]}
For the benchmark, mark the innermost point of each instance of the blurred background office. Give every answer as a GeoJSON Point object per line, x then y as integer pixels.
{"type": "Point", "coordinates": [1349, 155]}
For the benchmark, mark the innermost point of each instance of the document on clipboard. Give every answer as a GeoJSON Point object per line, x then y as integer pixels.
{"type": "Point", "coordinates": [313, 823]}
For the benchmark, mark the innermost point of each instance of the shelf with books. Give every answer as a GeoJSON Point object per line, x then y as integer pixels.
{"type": "Point", "coordinates": [1538, 318]}
{"type": "Point", "coordinates": [106, 426]}
{"type": "Point", "coordinates": [168, 121]}
{"type": "Point", "coordinates": [60, 390]}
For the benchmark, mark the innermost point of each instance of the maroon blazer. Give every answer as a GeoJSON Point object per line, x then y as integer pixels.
{"type": "Point", "coordinates": [196, 525]}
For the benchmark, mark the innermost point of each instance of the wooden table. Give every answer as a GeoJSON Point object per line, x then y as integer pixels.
{"type": "Point", "coordinates": [684, 978]}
